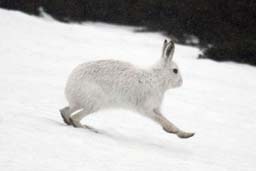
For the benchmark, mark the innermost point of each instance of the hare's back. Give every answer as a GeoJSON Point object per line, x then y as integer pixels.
{"type": "Point", "coordinates": [106, 70]}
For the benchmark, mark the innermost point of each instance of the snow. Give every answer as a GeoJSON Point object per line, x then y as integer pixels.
{"type": "Point", "coordinates": [217, 101]}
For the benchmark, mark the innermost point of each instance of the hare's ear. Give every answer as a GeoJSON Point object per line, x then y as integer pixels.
{"type": "Point", "coordinates": [168, 50]}
{"type": "Point", "coordinates": [164, 46]}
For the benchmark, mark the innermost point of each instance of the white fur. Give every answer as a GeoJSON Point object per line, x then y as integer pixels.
{"type": "Point", "coordinates": [110, 83]}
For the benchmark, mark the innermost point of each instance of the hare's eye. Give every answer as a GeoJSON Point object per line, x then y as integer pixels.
{"type": "Point", "coordinates": [175, 71]}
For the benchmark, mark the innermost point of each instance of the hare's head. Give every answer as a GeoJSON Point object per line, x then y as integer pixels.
{"type": "Point", "coordinates": [170, 68]}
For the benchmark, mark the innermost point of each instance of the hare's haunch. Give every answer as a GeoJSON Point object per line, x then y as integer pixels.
{"type": "Point", "coordinates": [109, 83]}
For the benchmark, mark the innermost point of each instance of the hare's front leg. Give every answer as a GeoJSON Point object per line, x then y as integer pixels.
{"type": "Point", "coordinates": [167, 125]}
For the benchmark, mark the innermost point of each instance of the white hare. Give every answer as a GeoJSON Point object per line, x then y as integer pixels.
{"type": "Point", "coordinates": [110, 83]}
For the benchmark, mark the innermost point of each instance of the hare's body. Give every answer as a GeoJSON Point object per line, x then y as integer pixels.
{"type": "Point", "coordinates": [109, 83]}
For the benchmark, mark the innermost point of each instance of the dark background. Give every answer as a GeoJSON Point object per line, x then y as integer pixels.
{"type": "Point", "coordinates": [226, 28]}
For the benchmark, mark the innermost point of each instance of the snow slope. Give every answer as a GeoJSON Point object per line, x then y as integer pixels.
{"type": "Point", "coordinates": [217, 101]}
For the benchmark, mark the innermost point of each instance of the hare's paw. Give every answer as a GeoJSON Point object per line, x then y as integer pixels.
{"type": "Point", "coordinates": [64, 117]}
{"type": "Point", "coordinates": [75, 123]}
{"type": "Point", "coordinates": [172, 131]}
{"type": "Point", "coordinates": [182, 134]}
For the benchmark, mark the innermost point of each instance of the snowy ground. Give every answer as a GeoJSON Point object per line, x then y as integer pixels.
{"type": "Point", "coordinates": [217, 101]}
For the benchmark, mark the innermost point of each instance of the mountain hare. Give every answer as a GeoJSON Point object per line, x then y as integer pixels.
{"type": "Point", "coordinates": [110, 83]}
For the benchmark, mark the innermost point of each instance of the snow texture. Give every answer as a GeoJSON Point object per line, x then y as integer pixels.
{"type": "Point", "coordinates": [217, 101]}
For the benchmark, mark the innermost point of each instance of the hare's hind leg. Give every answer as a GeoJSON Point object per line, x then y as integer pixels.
{"type": "Point", "coordinates": [78, 116]}
{"type": "Point", "coordinates": [64, 112]}
{"type": "Point", "coordinates": [167, 125]}
{"type": "Point", "coordinates": [75, 120]}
